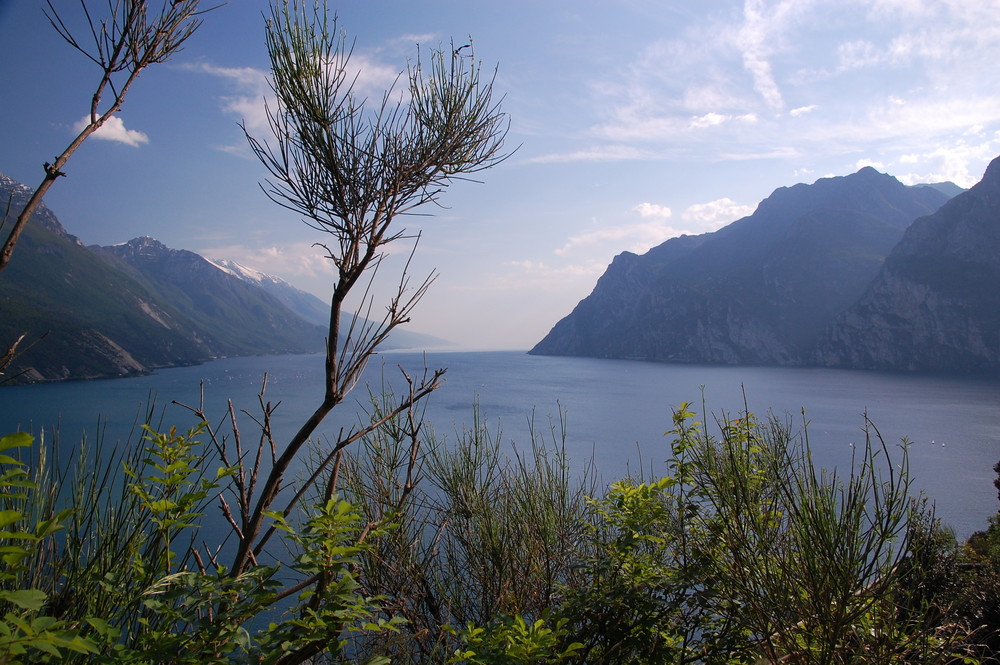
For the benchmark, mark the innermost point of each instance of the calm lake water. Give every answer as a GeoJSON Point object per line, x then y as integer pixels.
{"type": "Point", "coordinates": [616, 411]}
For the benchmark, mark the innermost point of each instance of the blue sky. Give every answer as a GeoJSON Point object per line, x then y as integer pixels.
{"type": "Point", "coordinates": [636, 120]}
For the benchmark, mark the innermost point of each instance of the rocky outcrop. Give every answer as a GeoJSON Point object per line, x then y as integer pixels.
{"type": "Point", "coordinates": [935, 305]}
{"type": "Point", "coordinates": [760, 291]}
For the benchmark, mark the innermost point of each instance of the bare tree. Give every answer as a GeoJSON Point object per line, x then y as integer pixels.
{"type": "Point", "coordinates": [130, 36]}
{"type": "Point", "coordinates": [350, 170]}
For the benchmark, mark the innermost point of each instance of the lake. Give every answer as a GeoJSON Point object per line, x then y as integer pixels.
{"type": "Point", "coordinates": [616, 411]}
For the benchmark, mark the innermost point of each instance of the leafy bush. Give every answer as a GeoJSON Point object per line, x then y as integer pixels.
{"type": "Point", "coordinates": [461, 553]}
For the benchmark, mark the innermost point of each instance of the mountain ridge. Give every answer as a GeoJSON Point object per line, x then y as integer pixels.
{"type": "Point", "coordinates": [761, 290]}
{"type": "Point", "coordinates": [133, 307]}
{"type": "Point", "coordinates": [934, 306]}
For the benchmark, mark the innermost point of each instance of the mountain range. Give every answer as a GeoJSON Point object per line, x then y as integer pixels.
{"type": "Point", "coordinates": [96, 312]}
{"type": "Point", "coordinates": [856, 271]}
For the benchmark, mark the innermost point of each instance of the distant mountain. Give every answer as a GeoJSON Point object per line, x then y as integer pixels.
{"type": "Point", "coordinates": [306, 305]}
{"type": "Point", "coordinates": [935, 305]}
{"type": "Point", "coordinates": [231, 316]}
{"type": "Point", "coordinates": [949, 189]}
{"type": "Point", "coordinates": [136, 306]}
{"type": "Point", "coordinates": [314, 310]}
{"type": "Point", "coordinates": [99, 321]}
{"type": "Point", "coordinates": [761, 290]}
{"type": "Point", "coordinates": [105, 317]}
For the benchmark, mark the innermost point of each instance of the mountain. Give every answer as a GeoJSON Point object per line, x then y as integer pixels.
{"type": "Point", "coordinates": [125, 310]}
{"type": "Point", "coordinates": [761, 290]}
{"type": "Point", "coordinates": [314, 310]}
{"type": "Point", "coordinates": [306, 305]}
{"type": "Point", "coordinates": [17, 195]}
{"type": "Point", "coordinates": [97, 320]}
{"type": "Point", "coordinates": [949, 189]}
{"type": "Point", "coordinates": [230, 315]}
{"type": "Point", "coordinates": [136, 306]}
{"type": "Point", "coordinates": [935, 305]}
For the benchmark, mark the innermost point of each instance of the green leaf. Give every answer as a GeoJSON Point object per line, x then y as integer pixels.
{"type": "Point", "coordinates": [46, 646]}
{"type": "Point", "coordinates": [29, 599]}
{"type": "Point", "coordinates": [16, 440]}
{"type": "Point", "coordinates": [9, 517]}
{"type": "Point", "coordinates": [162, 506]}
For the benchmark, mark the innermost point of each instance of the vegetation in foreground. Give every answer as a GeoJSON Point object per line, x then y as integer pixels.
{"type": "Point", "coordinates": [456, 552]}
{"type": "Point", "coordinates": [199, 546]}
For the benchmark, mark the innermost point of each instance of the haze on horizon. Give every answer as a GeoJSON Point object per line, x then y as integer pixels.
{"type": "Point", "coordinates": [634, 121]}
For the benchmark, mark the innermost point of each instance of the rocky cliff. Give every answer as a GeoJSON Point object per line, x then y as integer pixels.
{"type": "Point", "coordinates": [760, 291]}
{"type": "Point", "coordinates": [935, 305]}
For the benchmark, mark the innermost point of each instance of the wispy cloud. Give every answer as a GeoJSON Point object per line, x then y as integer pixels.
{"type": "Point", "coordinates": [608, 153]}
{"type": "Point", "coordinates": [755, 40]}
{"type": "Point", "coordinates": [768, 82]}
{"type": "Point", "coordinates": [715, 214]}
{"type": "Point", "coordinates": [547, 271]}
{"type": "Point", "coordinates": [250, 97]}
{"type": "Point", "coordinates": [250, 89]}
{"type": "Point", "coordinates": [638, 237]}
{"type": "Point", "coordinates": [646, 209]}
{"type": "Point", "coordinates": [114, 130]}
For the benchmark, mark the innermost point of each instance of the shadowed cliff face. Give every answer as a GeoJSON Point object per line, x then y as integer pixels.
{"type": "Point", "coordinates": [759, 291]}
{"type": "Point", "coordinates": [935, 306]}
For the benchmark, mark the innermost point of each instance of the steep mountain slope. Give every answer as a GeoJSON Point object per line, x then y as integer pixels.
{"type": "Point", "coordinates": [102, 316]}
{"type": "Point", "coordinates": [306, 305]}
{"type": "Point", "coordinates": [935, 305]}
{"type": "Point", "coordinates": [759, 291]}
{"type": "Point", "coordinates": [99, 322]}
{"type": "Point", "coordinates": [314, 310]}
{"type": "Point", "coordinates": [230, 315]}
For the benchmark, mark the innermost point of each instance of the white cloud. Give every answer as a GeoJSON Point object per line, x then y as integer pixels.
{"type": "Point", "coordinates": [253, 96]}
{"type": "Point", "coordinates": [372, 78]}
{"type": "Point", "coordinates": [653, 230]}
{"type": "Point", "coordinates": [919, 75]}
{"type": "Point", "coordinates": [633, 237]}
{"type": "Point", "coordinates": [862, 163]}
{"type": "Point", "coordinates": [715, 214]}
{"type": "Point", "coordinates": [652, 210]}
{"type": "Point", "coordinates": [114, 130]}
{"type": "Point", "coordinates": [950, 163]}
{"type": "Point", "coordinates": [609, 153]}
{"type": "Point", "coordinates": [252, 88]}
{"type": "Point", "coordinates": [708, 120]}
{"type": "Point", "coordinates": [713, 119]}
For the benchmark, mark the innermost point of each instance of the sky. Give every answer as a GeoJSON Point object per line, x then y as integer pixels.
{"type": "Point", "coordinates": [633, 122]}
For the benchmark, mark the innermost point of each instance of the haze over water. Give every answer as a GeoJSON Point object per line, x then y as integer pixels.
{"type": "Point", "coordinates": [616, 411]}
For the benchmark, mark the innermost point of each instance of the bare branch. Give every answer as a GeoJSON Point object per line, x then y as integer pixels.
{"type": "Point", "coordinates": [350, 170]}
{"type": "Point", "coordinates": [130, 38]}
